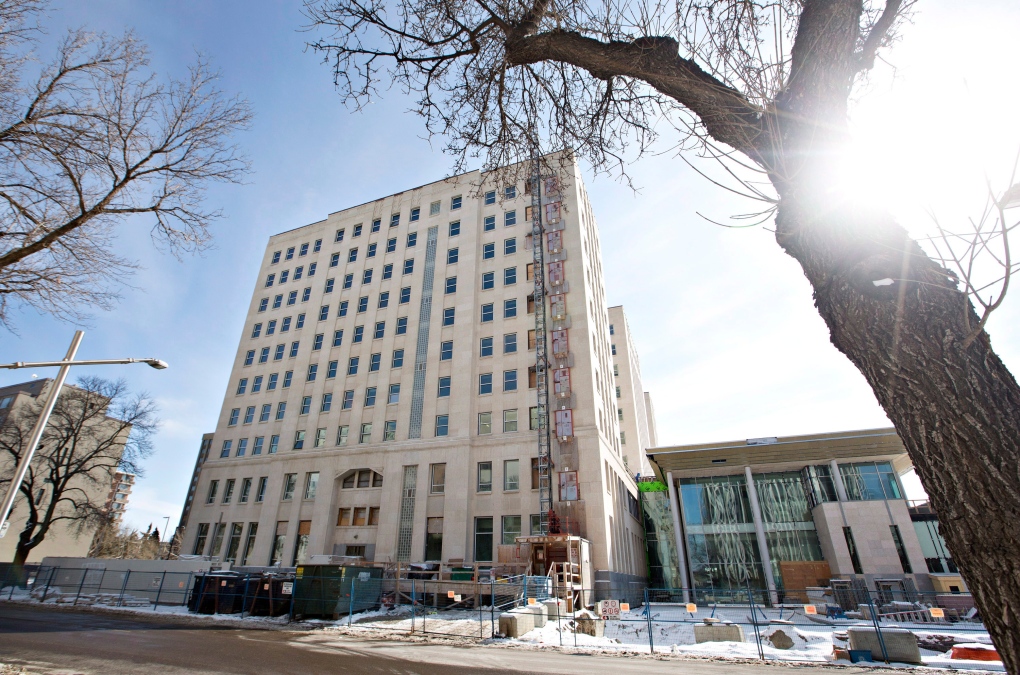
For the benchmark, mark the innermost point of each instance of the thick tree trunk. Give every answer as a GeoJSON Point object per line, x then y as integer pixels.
{"type": "Point", "coordinates": [956, 409]}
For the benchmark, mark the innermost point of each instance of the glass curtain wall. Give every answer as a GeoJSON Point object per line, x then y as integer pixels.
{"type": "Point", "coordinates": [866, 481]}
{"type": "Point", "coordinates": [721, 544]}
{"type": "Point", "coordinates": [660, 538]}
{"type": "Point", "coordinates": [786, 517]}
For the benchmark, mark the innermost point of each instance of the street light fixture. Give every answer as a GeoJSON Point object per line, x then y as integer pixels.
{"type": "Point", "coordinates": [44, 417]}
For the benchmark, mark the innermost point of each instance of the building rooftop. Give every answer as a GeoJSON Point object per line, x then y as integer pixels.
{"type": "Point", "coordinates": [732, 456]}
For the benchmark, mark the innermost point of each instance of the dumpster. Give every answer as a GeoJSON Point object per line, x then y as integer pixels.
{"type": "Point", "coordinates": [325, 591]}
{"type": "Point", "coordinates": [217, 593]}
{"type": "Point", "coordinates": [265, 594]}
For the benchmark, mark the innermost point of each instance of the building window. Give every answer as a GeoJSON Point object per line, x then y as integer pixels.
{"type": "Point", "coordinates": [369, 396]}
{"type": "Point", "coordinates": [359, 334]}
{"type": "Point", "coordinates": [511, 476]}
{"type": "Point", "coordinates": [276, 258]}
{"type": "Point", "coordinates": [509, 420]}
{"type": "Point", "coordinates": [341, 310]}
{"type": "Point", "coordinates": [366, 278]}
{"type": "Point", "coordinates": [384, 300]}
{"type": "Point", "coordinates": [317, 342]}
{"type": "Point", "coordinates": [405, 295]}
{"type": "Point", "coordinates": [277, 301]}
{"type": "Point", "coordinates": [362, 304]}
{"type": "Point", "coordinates": [510, 343]}
{"type": "Point", "coordinates": [260, 494]}
{"type": "Point", "coordinates": [485, 348]}
{"type": "Point", "coordinates": [509, 308]}
{"type": "Point", "coordinates": [415, 214]}
{"type": "Point", "coordinates": [311, 483]}
{"type": "Point", "coordinates": [901, 550]}
{"type": "Point", "coordinates": [274, 444]}
{"type": "Point", "coordinates": [334, 260]}
{"type": "Point", "coordinates": [283, 276]}
{"type": "Point", "coordinates": [278, 354]}
{"type": "Point", "coordinates": [260, 442]}
{"type": "Point", "coordinates": [234, 414]}
{"type": "Point", "coordinates": [510, 246]}
{"type": "Point", "coordinates": [374, 361]}
{"type": "Point", "coordinates": [455, 228]}
{"type": "Point", "coordinates": [398, 359]}
{"type": "Point", "coordinates": [511, 529]}
{"type": "Point", "coordinates": [446, 350]}
{"type": "Point", "coordinates": [348, 280]}
{"type": "Point", "coordinates": [289, 485]}
{"type": "Point", "coordinates": [298, 271]}
{"type": "Point", "coordinates": [242, 385]}
{"type": "Point", "coordinates": [509, 380]}
{"type": "Point", "coordinates": [485, 383]}
{"type": "Point", "coordinates": [623, 438]}
{"type": "Point", "coordinates": [484, 423]}
{"type": "Point", "coordinates": [438, 479]}
{"type": "Point", "coordinates": [299, 440]}
{"type": "Point", "coordinates": [484, 476]}
{"type": "Point", "coordinates": [510, 192]}
{"type": "Point", "coordinates": [380, 330]}
{"type": "Point", "coordinates": [855, 558]}
{"type": "Point", "coordinates": [451, 285]}
{"type": "Point", "coordinates": [412, 240]}
{"type": "Point", "coordinates": [455, 202]}
{"type": "Point", "coordinates": [393, 395]}
{"type": "Point", "coordinates": [409, 266]}
{"type": "Point", "coordinates": [490, 197]}
{"type": "Point", "coordinates": [348, 401]}
{"type": "Point", "coordinates": [290, 253]}
{"type": "Point", "coordinates": [510, 276]}
{"type": "Point", "coordinates": [256, 330]}
{"type": "Point", "coordinates": [389, 430]}
{"type": "Point", "coordinates": [287, 376]}
{"type": "Point", "coordinates": [452, 256]}
{"type": "Point", "coordinates": [612, 348]}
{"type": "Point", "coordinates": [213, 487]}
{"type": "Point", "coordinates": [444, 387]}
{"type": "Point", "coordinates": [271, 326]}
{"type": "Point", "coordinates": [509, 218]}
{"type": "Point", "coordinates": [487, 312]}
{"type": "Point", "coordinates": [434, 209]}
{"type": "Point", "coordinates": [387, 271]}
{"type": "Point", "coordinates": [338, 338]}
{"type": "Point", "coordinates": [249, 357]}
{"type": "Point", "coordinates": [263, 304]}
{"type": "Point", "coordinates": [617, 392]}
{"type": "Point", "coordinates": [377, 223]}
{"type": "Point", "coordinates": [442, 425]}
{"type": "Point", "coordinates": [483, 539]}
{"type": "Point", "coordinates": [391, 244]}
{"type": "Point", "coordinates": [448, 316]}
{"type": "Point", "coordinates": [270, 279]}
{"type": "Point", "coordinates": [352, 255]}
{"type": "Point", "coordinates": [489, 224]}
{"type": "Point", "coordinates": [281, 410]}
{"type": "Point", "coordinates": [352, 365]}
{"type": "Point", "coordinates": [249, 414]}
{"type": "Point", "coordinates": [341, 434]}
{"type": "Point", "coordinates": [323, 312]}
{"type": "Point", "coordinates": [291, 298]}
{"type": "Point", "coordinates": [488, 280]}
{"type": "Point", "coordinates": [256, 384]}
{"type": "Point", "coordinates": [366, 433]}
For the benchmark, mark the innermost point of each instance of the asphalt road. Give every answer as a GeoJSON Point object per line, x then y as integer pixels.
{"type": "Point", "coordinates": [65, 642]}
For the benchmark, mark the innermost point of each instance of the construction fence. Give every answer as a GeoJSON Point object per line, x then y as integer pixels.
{"type": "Point", "coordinates": [861, 624]}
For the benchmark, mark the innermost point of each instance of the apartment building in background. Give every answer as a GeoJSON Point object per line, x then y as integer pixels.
{"type": "Point", "coordinates": [382, 400]}
{"type": "Point", "coordinates": [117, 499]}
{"type": "Point", "coordinates": [634, 405]}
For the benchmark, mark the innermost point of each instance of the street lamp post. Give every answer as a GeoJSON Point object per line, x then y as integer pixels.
{"type": "Point", "coordinates": [44, 415]}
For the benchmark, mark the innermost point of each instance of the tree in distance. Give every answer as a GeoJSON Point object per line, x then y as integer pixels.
{"type": "Point", "coordinates": [89, 141]}
{"type": "Point", "coordinates": [765, 88]}
{"type": "Point", "coordinates": [97, 428]}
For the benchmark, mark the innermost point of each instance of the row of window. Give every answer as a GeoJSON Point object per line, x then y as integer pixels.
{"type": "Point", "coordinates": [486, 347]}
{"type": "Point", "coordinates": [319, 440]}
{"type": "Point", "coordinates": [488, 313]}
{"type": "Point", "coordinates": [303, 252]}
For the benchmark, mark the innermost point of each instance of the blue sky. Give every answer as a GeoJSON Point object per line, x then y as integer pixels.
{"type": "Point", "coordinates": [729, 341]}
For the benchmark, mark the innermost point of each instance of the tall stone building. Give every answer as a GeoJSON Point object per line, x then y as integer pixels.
{"type": "Point", "coordinates": [382, 401]}
{"type": "Point", "coordinates": [634, 404]}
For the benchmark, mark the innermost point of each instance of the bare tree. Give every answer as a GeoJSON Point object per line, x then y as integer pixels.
{"type": "Point", "coordinates": [89, 141]}
{"type": "Point", "coordinates": [764, 85]}
{"type": "Point", "coordinates": [111, 541]}
{"type": "Point", "coordinates": [96, 428]}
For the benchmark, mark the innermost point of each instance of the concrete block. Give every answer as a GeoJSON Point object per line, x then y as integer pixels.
{"type": "Point", "coordinates": [718, 632]}
{"type": "Point", "coordinates": [516, 624]}
{"type": "Point", "coordinates": [900, 644]}
{"type": "Point", "coordinates": [538, 610]}
{"type": "Point", "coordinates": [553, 607]}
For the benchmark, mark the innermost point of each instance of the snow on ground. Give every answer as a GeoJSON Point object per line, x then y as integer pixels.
{"type": "Point", "coordinates": [673, 632]}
